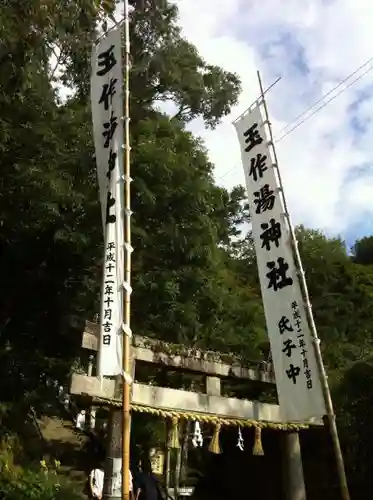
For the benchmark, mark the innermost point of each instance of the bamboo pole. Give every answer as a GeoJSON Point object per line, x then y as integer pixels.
{"type": "Point", "coordinates": [316, 341]}
{"type": "Point", "coordinates": [126, 422]}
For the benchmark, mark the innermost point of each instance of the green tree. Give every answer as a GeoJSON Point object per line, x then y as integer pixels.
{"type": "Point", "coordinates": [169, 68]}
{"type": "Point", "coordinates": [341, 296]}
{"type": "Point", "coordinates": [181, 219]}
{"type": "Point", "coordinates": [354, 398]}
{"type": "Point", "coordinates": [42, 483]}
{"type": "Point", "coordinates": [51, 238]}
{"type": "Point", "coordinates": [363, 251]}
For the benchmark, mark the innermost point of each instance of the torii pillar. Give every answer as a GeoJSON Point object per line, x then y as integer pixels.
{"type": "Point", "coordinates": [294, 487]}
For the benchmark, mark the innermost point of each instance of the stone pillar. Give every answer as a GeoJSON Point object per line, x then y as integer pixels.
{"type": "Point", "coordinates": [293, 469]}
{"type": "Point", "coordinates": [166, 471]}
{"type": "Point", "coordinates": [213, 386]}
{"type": "Point", "coordinates": [113, 463]}
{"type": "Point", "coordinates": [91, 410]}
{"type": "Point", "coordinates": [90, 365]}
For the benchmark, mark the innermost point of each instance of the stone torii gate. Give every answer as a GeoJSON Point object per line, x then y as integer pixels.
{"type": "Point", "coordinates": [214, 367]}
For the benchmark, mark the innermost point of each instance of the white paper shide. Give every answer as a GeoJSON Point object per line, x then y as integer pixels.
{"type": "Point", "coordinates": [107, 111]}
{"type": "Point", "coordinates": [296, 371]}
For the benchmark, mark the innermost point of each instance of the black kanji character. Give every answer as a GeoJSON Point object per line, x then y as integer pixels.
{"type": "Point", "coordinates": [293, 372]}
{"type": "Point", "coordinates": [110, 218]}
{"type": "Point", "coordinates": [303, 352]}
{"type": "Point", "coordinates": [110, 257]}
{"type": "Point", "coordinates": [277, 275]}
{"type": "Point", "coordinates": [271, 233]}
{"type": "Point", "coordinates": [288, 346]}
{"type": "Point", "coordinates": [294, 305]}
{"type": "Point", "coordinates": [258, 166]}
{"type": "Point", "coordinates": [107, 326]}
{"type": "Point", "coordinates": [305, 363]}
{"type": "Point", "coordinates": [109, 290]}
{"type": "Point", "coordinates": [296, 314]}
{"type": "Point", "coordinates": [111, 163]}
{"type": "Point", "coordinates": [110, 128]}
{"type": "Point", "coordinates": [307, 374]}
{"type": "Point", "coordinates": [309, 384]}
{"type": "Point", "coordinates": [284, 324]}
{"type": "Point", "coordinates": [297, 323]}
{"type": "Point", "coordinates": [108, 91]}
{"type": "Point", "coordinates": [111, 245]}
{"type": "Point", "coordinates": [302, 343]}
{"type": "Point", "coordinates": [110, 266]}
{"type": "Point", "coordinates": [265, 199]}
{"type": "Point", "coordinates": [106, 339]}
{"type": "Point", "coordinates": [106, 61]}
{"type": "Point", "coordinates": [108, 301]}
{"type": "Point", "coordinates": [107, 314]}
{"type": "Point", "coordinates": [253, 137]}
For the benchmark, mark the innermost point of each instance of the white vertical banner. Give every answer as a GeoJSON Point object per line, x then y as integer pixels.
{"type": "Point", "coordinates": [107, 112]}
{"type": "Point", "coordinates": [296, 371]}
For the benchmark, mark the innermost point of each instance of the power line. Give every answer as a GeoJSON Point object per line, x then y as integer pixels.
{"type": "Point", "coordinates": [324, 104]}
{"type": "Point", "coordinates": [315, 104]}
{"type": "Point", "coordinates": [226, 173]}
{"type": "Point", "coordinates": [326, 95]}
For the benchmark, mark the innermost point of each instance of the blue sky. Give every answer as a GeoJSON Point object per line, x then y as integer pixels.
{"type": "Point", "coordinates": [327, 163]}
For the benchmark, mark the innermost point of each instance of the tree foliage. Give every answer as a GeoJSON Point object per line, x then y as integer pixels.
{"type": "Point", "coordinates": [51, 237]}
{"type": "Point", "coordinates": [38, 483]}
{"type": "Point", "coordinates": [194, 271]}
{"type": "Point", "coordinates": [363, 251]}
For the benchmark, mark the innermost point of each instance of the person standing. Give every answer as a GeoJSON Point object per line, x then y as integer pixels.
{"type": "Point", "coordinates": [131, 485]}
{"type": "Point", "coordinates": [146, 486]}
{"type": "Point", "coordinates": [96, 483]}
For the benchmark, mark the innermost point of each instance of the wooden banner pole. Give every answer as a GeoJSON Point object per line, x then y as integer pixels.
{"type": "Point", "coordinates": [316, 341]}
{"type": "Point", "coordinates": [126, 420]}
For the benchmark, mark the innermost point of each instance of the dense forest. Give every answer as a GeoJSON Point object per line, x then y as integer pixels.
{"type": "Point", "coordinates": [194, 272]}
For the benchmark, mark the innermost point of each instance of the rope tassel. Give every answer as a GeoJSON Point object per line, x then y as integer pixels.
{"type": "Point", "coordinates": [258, 447]}
{"type": "Point", "coordinates": [173, 440]}
{"type": "Point", "coordinates": [214, 444]}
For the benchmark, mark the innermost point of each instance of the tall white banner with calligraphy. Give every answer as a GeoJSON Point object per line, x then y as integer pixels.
{"type": "Point", "coordinates": [107, 112]}
{"type": "Point", "coordinates": [297, 377]}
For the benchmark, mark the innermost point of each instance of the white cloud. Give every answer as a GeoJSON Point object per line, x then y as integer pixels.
{"type": "Point", "coordinates": [331, 38]}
